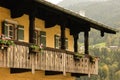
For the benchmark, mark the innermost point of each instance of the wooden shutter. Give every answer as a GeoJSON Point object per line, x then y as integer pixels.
{"type": "Point", "coordinates": [8, 29]}
{"type": "Point", "coordinates": [43, 38]}
{"type": "Point", "coordinates": [35, 37]}
{"type": "Point", "coordinates": [4, 28]}
{"type": "Point", "coordinates": [57, 41]}
{"type": "Point", "coordinates": [66, 43]}
{"type": "Point", "coordinates": [20, 33]}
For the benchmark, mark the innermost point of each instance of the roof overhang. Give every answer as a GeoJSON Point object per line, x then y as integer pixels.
{"type": "Point", "coordinates": [53, 14]}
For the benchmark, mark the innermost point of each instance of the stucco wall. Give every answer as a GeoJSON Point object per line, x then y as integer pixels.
{"type": "Point", "coordinates": [40, 25]}
{"type": "Point", "coordinates": [39, 75]}
{"type": "Point", "coordinates": [50, 32]}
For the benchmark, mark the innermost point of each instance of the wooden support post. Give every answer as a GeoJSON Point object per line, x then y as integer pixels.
{"type": "Point", "coordinates": [31, 27]}
{"type": "Point", "coordinates": [75, 42]}
{"type": "Point", "coordinates": [63, 37]}
{"type": "Point", "coordinates": [102, 34]}
{"type": "Point", "coordinates": [86, 42]}
{"type": "Point", "coordinates": [31, 35]}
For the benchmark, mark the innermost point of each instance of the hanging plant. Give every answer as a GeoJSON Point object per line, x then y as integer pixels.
{"type": "Point", "coordinates": [77, 57]}
{"type": "Point", "coordinates": [5, 42]}
{"type": "Point", "coordinates": [36, 48]}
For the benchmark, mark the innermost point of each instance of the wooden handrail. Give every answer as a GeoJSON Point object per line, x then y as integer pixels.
{"type": "Point", "coordinates": [18, 56]}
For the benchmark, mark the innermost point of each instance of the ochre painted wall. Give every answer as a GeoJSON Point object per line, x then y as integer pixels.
{"type": "Point", "coordinates": [40, 25]}
{"type": "Point", "coordinates": [39, 75]}
{"type": "Point", "coordinates": [50, 32]}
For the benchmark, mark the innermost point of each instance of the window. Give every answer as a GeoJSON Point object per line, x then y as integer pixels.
{"type": "Point", "coordinates": [40, 37]}
{"type": "Point", "coordinates": [8, 29]}
{"type": "Point", "coordinates": [66, 43]}
{"type": "Point", "coordinates": [20, 33]}
{"type": "Point", "coordinates": [36, 37]}
{"type": "Point", "coordinates": [57, 40]}
{"type": "Point", "coordinates": [43, 38]}
{"type": "Point", "coordinates": [12, 30]}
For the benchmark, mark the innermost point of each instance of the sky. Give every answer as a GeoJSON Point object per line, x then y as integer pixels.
{"type": "Point", "coordinates": [57, 1]}
{"type": "Point", "coordinates": [54, 1]}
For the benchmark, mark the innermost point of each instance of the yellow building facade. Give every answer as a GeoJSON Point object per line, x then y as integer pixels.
{"type": "Point", "coordinates": [39, 75]}
{"type": "Point", "coordinates": [50, 32]}
{"type": "Point", "coordinates": [39, 25]}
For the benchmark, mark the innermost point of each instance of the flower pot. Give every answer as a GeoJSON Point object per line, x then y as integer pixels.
{"type": "Point", "coordinates": [32, 50]}
{"type": "Point", "coordinates": [76, 58]}
{"type": "Point", "coordinates": [3, 46]}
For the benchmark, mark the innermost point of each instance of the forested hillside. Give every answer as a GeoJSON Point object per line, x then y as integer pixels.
{"type": "Point", "coordinates": [104, 11]}
{"type": "Point", "coordinates": [107, 47]}
{"type": "Point", "coordinates": [109, 64]}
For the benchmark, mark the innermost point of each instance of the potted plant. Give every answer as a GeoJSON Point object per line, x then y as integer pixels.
{"type": "Point", "coordinates": [77, 56]}
{"type": "Point", "coordinates": [92, 59]}
{"type": "Point", "coordinates": [35, 48]}
{"type": "Point", "coordinates": [5, 42]}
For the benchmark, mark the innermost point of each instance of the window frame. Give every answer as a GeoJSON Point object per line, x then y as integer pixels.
{"type": "Point", "coordinates": [6, 29]}
{"type": "Point", "coordinates": [39, 37]}
{"type": "Point", "coordinates": [20, 27]}
{"type": "Point", "coordinates": [43, 36]}
{"type": "Point", "coordinates": [57, 44]}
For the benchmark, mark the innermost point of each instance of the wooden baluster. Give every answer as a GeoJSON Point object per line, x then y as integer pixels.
{"type": "Point", "coordinates": [64, 62]}
{"type": "Point", "coordinates": [96, 66]}
{"type": "Point", "coordinates": [33, 65]}
{"type": "Point", "coordinates": [89, 69]}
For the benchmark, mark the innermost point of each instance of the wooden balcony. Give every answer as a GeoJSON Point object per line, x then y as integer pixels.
{"type": "Point", "coordinates": [18, 56]}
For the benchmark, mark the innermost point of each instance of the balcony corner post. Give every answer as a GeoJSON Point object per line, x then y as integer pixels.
{"type": "Point", "coordinates": [31, 26]}
{"type": "Point", "coordinates": [63, 37]}
{"type": "Point", "coordinates": [75, 42]}
{"type": "Point", "coordinates": [31, 34]}
{"type": "Point", "coordinates": [86, 42]}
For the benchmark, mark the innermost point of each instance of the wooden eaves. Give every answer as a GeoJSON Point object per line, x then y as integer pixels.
{"type": "Point", "coordinates": [92, 23]}
{"type": "Point", "coordinates": [74, 21]}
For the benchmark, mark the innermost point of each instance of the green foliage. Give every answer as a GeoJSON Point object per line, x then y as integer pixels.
{"type": "Point", "coordinates": [6, 42]}
{"type": "Point", "coordinates": [77, 55]}
{"type": "Point", "coordinates": [117, 75]}
{"type": "Point", "coordinates": [109, 57]}
{"type": "Point", "coordinates": [95, 9]}
{"type": "Point", "coordinates": [103, 44]}
{"type": "Point", "coordinates": [90, 57]}
{"type": "Point", "coordinates": [105, 72]}
{"type": "Point", "coordinates": [34, 47]}
{"type": "Point", "coordinates": [109, 64]}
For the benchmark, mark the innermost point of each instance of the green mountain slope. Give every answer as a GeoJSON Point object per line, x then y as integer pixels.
{"type": "Point", "coordinates": [106, 12]}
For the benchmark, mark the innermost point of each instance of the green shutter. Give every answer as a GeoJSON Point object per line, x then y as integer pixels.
{"type": "Point", "coordinates": [57, 41]}
{"type": "Point", "coordinates": [35, 37]}
{"type": "Point", "coordinates": [20, 32]}
{"type": "Point", "coordinates": [43, 38]}
{"type": "Point", "coordinates": [4, 28]}
{"type": "Point", "coordinates": [66, 43]}
{"type": "Point", "coordinates": [38, 38]}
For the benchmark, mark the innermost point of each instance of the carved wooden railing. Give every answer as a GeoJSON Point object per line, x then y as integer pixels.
{"type": "Point", "coordinates": [18, 56]}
